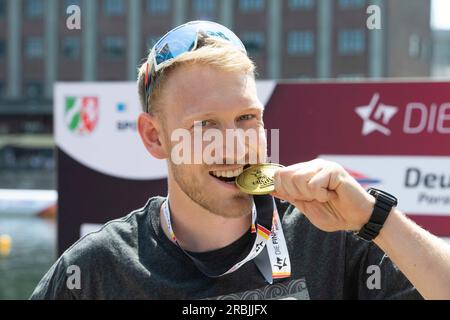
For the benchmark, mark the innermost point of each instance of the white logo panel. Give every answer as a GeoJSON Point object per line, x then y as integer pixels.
{"type": "Point", "coordinates": [112, 146]}
{"type": "Point", "coordinates": [421, 184]}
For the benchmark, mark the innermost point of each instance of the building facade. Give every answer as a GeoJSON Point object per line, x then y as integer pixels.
{"type": "Point", "coordinates": [441, 54]}
{"type": "Point", "coordinates": [288, 39]}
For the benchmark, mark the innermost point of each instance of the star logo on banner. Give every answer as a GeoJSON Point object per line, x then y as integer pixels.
{"type": "Point", "coordinates": [376, 116]}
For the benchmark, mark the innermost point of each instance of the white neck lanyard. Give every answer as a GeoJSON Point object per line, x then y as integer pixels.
{"type": "Point", "coordinates": [274, 263]}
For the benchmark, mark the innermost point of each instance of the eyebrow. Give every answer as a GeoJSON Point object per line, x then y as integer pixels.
{"type": "Point", "coordinates": [209, 114]}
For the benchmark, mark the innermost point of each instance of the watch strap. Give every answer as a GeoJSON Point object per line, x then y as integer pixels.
{"type": "Point", "coordinates": [383, 206]}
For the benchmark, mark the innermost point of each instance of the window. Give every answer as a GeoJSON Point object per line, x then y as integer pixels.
{"type": "Point", "coordinates": [34, 8]}
{"type": "Point", "coordinates": [351, 4]}
{"type": "Point", "coordinates": [34, 47]}
{"type": "Point", "coordinates": [68, 3]}
{"type": "Point", "coordinates": [114, 47]}
{"type": "Point", "coordinates": [301, 4]}
{"type": "Point", "coordinates": [351, 42]}
{"type": "Point", "coordinates": [158, 6]}
{"type": "Point", "coordinates": [2, 49]}
{"type": "Point", "coordinates": [414, 46]}
{"type": "Point", "coordinates": [300, 43]}
{"type": "Point", "coordinates": [2, 8]}
{"type": "Point", "coordinates": [300, 77]}
{"type": "Point", "coordinates": [251, 5]}
{"type": "Point", "coordinates": [33, 89]}
{"type": "Point", "coordinates": [350, 76]}
{"type": "Point", "coordinates": [114, 7]}
{"type": "Point", "coordinates": [204, 8]}
{"type": "Point", "coordinates": [253, 41]}
{"type": "Point", "coordinates": [30, 126]}
{"type": "Point", "coordinates": [71, 47]}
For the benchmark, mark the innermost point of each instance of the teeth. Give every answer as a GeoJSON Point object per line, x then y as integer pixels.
{"type": "Point", "coordinates": [228, 173]}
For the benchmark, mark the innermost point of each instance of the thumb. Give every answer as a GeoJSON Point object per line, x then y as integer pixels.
{"type": "Point", "coordinates": [299, 204]}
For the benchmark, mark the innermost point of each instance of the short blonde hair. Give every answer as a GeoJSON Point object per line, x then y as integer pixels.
{"type": "Point", "coordinates": [213, 52]}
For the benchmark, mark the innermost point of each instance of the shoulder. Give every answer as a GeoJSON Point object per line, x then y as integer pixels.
{"type": "Point", "coordinates": [97, 254]}
{"type": "Point", "coordinates": [115, 238]}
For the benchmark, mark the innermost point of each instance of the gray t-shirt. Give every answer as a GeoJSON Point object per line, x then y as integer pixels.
{"type": "Point", "coordinates": [131, 258]}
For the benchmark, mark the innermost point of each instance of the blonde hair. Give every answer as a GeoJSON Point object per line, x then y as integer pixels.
{"type": "Point", "coordinates": [212, 52]}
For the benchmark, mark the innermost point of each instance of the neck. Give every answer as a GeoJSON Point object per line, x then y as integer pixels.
{"type": "Point", "coordinates": [197, 229]}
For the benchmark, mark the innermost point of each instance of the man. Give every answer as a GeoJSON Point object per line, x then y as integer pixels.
{"type": "Point", "coordinates": [203, 243]}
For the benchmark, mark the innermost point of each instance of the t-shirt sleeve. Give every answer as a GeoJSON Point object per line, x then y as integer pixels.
{"type": "Point", "coordinates": [370, 273]}
{"type": "Point", "coordinates": [53, 285]}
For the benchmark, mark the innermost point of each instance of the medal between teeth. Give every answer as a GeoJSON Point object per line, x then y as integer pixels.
{"type": "Point", "coordinates": [258, 179]}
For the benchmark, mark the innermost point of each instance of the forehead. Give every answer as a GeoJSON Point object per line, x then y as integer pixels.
{"type": "Point", "coordinates": [198, 88]}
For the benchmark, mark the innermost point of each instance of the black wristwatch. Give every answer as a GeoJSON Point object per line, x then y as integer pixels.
{"type": "Point", "coordinates": [383, 206]}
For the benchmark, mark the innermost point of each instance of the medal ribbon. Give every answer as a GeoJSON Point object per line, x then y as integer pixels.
{"type": "Point", "coordinates": [269, 249]}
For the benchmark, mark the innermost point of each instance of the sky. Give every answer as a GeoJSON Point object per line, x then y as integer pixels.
{"type": "Point", "coordinates": [440, 17]}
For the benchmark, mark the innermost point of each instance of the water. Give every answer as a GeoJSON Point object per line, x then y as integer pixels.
{"type": "Point", "coordinates": [33, 251]}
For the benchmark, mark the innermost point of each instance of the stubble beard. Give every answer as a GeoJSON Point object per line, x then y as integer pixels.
{"type": "Point", "coordinates": [235, 206]}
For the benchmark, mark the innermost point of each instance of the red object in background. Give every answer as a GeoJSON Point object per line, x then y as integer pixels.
{"type": "Point", "coordinates": [386, 119]}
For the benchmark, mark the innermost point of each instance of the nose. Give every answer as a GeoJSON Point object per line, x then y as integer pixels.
{"type": "Point", "coordinates": [235, 148]}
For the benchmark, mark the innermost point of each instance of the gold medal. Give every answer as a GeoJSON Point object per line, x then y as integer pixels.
{"type": "Point", "coordinates": [258, 179]}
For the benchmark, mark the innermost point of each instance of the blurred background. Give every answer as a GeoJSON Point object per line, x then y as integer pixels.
{"type": "Point", "coordinates": [288, 39]}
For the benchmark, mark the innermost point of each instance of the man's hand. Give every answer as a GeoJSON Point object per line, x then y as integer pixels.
{"type": "Point", "coordinates": [332, 200]}
{"type": "Point", "coordinates": [327, 194]}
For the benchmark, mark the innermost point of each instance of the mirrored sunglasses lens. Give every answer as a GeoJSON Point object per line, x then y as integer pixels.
{"type": "Point", "coordinates": [175, 43]}
{"type": "Point", "coordinates": [217, 30]}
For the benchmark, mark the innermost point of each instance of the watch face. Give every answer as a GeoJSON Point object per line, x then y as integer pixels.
{"type": "Point", "coordinates": [383, 196]}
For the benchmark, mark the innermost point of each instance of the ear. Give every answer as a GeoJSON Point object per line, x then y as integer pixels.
{"type": "Point", "coordinates": [150, 135]}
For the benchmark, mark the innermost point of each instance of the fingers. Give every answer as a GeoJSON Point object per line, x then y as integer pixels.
{"type": "Point", "coordinates": [324, 192]}
{"type": "Point", "coordinates": [305, 182]}
{"type": "Point", "coordinates": [297, 203]}
{"type": "Point", "coordinates": [289, 184]}
{"type": "Point", "coordinates": [319, 185]}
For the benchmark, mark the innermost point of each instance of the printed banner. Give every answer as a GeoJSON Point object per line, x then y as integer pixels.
{"type": "Point", "coordinates": [390, 135]}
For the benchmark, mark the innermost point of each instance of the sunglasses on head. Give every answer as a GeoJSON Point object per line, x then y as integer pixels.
{"type": "Point", "coordinates": [184, 39]}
